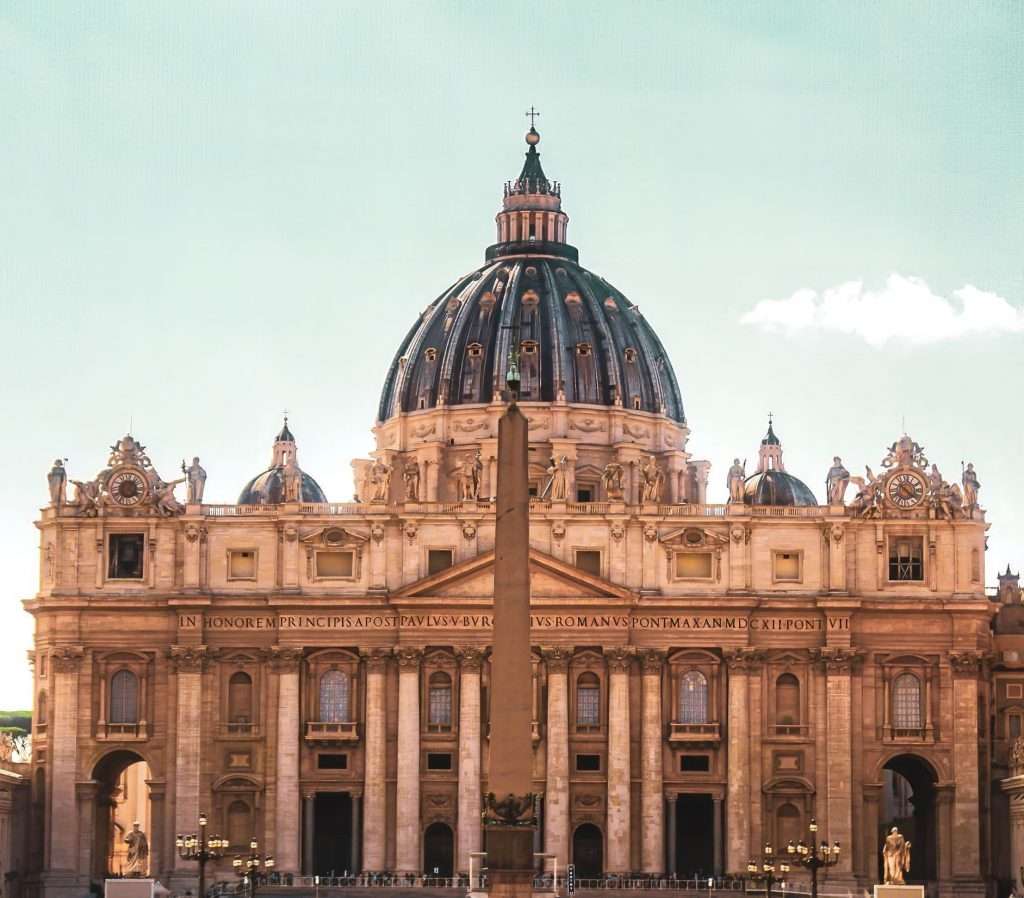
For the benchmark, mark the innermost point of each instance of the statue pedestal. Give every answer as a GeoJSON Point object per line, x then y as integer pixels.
{"type": "Point", "coordinates": [510, 861]}
{"type": "Point", "coordinates": [899, 891]}
{"type": "Point", "coordinates": [128, 888]}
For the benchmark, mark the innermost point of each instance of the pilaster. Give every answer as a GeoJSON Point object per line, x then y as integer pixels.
{"type": "Point", "coordinates": [652, 809]}
{"type": "Point", "coordinates": [619, 779]}
{"type": "Point", "coordinates": [469, 837]}
{"type": "Point", "coordinates": [375, 785]}
{"type": "Point", "coordinates": [556, 791]}
{"type": "Point", "coordinates": [407, 810]}
{"type": "Point", "coordinates": [285, 661]}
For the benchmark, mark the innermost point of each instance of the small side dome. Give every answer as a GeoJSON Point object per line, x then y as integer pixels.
{"type": "Point", "coordinates": [270, 486]}
{"type": "Point", "coordinates": [771, 485]}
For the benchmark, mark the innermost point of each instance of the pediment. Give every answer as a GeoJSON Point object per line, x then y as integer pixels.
{"type": "Point", "coordinates": [693, 538]}
{"type": "Point", "coordinates": [549, 579]}
{"type": "Point", "coordinates": [333, 537]}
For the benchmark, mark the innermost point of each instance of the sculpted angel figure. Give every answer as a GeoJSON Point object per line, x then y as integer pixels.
{"type": "Point", "coordinates": [895, 857]}
{"type": "Point", "coordinates": [866, 500]}
{"type": "Point", "coordinates": [735, 479]}
{"type": "Point", "coordinates": [163, 497]}
{"type": "Point", "coordinates": [138, 852]}
{"type": "Point", "coordinates": [611, 479]}
{"type": "Point", "coordinates": [836, 482]}
{"type": "Point", "coordinates": [87, 496]}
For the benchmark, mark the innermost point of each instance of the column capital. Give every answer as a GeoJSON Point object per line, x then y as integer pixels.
{"type": "Point", "coordinates": [376, 659]}
{"type": "Point", "coordinates": [67, 658]}
{"type": "Point", "coordinates": [86, 790]}
{"type": "Point", "coordinates": [556, 659]}
{"type": "Point", "coordinates": [652, 660]}
{"type": "Point", "coordinates": [408, 658]}
{"type": "Point", "coordinates": [470, 659]}
{"type": "Point", "coordinates": [157, 789]}
{"type": "Point", "coordinates": [966, 664]}
{"type": "Point", "coordinates": [285, 659]}
{"type": "Point", "coordinates": [743, 659]}
{"type": "Point", "coordinates": [840, 660]}
{"type": "Point", "coordinates": [619, 658]}
{"type": "Point", "coordinates": [188, 658]}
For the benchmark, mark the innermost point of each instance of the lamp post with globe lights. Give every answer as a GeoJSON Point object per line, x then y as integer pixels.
{"type": "Point", "coordinates": [765, 870]}
{"type": "Point", "coordinates": [202, 848]}
{"type": "Point", "coordinates": [249, 867]}
{"type": "Point", "coordinates": [814, 856]}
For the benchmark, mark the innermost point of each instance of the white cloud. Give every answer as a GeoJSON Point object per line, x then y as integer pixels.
{"type": "Point", "coordinates": [904, 309]}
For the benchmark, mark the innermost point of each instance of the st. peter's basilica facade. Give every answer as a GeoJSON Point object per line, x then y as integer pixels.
{"type": "Point", "coordinates": [707, 677]}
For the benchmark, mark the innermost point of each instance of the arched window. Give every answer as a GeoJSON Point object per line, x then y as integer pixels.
{"type": "Point", "coordinates": [787, 704]}
{"type": "Point", "coordinates": [588, 700]}
{"type": "Point", "coordinates": [439, 701]}
{"type": "Point", "coordinates": [334, 697]}
{"type": "Point", "coordinates": [240, 698]}
{"type": "Point", "coordinates": [693, 697]}
{"type": "Point", "coordinates": [239, 823]}
{"type": "Point", "coordinates": [906, 702]}
{"type": "Point", "coordinates": [124, 697]}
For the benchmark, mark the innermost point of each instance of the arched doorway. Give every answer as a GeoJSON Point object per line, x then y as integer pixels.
{"type": "Point", "coordinates": [908, 802]}
{"type": "Point", "coordinates": [588, 851]}
{"type": "Point", "coordinates": [439, 850]}
{"type": "Point", "coordinates": [122, 799]}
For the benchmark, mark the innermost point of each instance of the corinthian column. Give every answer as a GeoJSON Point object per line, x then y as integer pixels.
{"type": "Point", "coordinates": [966, 799]}
{"type": "Point", "coordinates": [652, 813]}
{"type": "Point", "coordinates": [61, 826]}
{"type": "Point", "coordinates": [737, 809]}
{"type": "Point", "coordinates": [619, 779]}
{"type": "Point", "coordinates": [556, 791]}
{"type": "Point", "coordinates": [188, 663]}
{"type": "Point", "coordinates": [375, 785]}
{"type": "Point", "coordinates": [838, 713]}
{"type": "Point", "coordinates": [469, 834]}
{"type": "Point", "coordinates": [286, 662]}
{"type": "Point", "coordinates": [407, 803]}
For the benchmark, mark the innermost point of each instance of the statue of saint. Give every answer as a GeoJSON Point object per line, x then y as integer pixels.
{"type": "Point", "coordinates": [735, 479]}
{"type": "Point", "coordinates": [411, 476]}
{"type": "Point", "coordinates": [653, 479]}
{"type": "Point", "coordinates": [836, 482]}
{"type": "Point", "coordinates": [611, 478]}
{"type": "Point", "coordinates": [468, 474]}
{"type": "Point", "coordinates": [935, 480]}
{"type": "Point", "coordinates": [478, 475]}
{"type": "Point", "coordinates": [380, 480]}
{"type": "Point", "coordinates": [58, 482]}
{"type": "Point", "coordinates": [164, 500]}
{"type": "Point", "coordinates": [971, 487]}
{"type": "Point", "coordinates": [558, 471]}
{"type": "Point", "coordinates": [195, 477]}
{"type": "Point", "coordinates": [292, 480]}
{"type": "Point", "coordinates": [138, 852]}
{"type": "Point", "coordinates": [895, 857]}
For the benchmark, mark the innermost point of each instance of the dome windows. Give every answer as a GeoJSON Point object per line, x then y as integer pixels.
{"type": "Point", "coordinates": [584, 350]}
{"type": "Point", "coordinates": [430, 354]}
{"type": "Point", "coordinates": [630, 355]}
{"type": "Point", "coordinates": [528, 347]}
{"type": "Point", "coordinates": [487, 301]}
{"type": "Point", "coordinates": [474, 350]}
{"type": "Point", "coordinates": [530, 299]}
{"type": "Point", "coordinates": [611, 305]}
{"type": "Point", "coordinates": [531, 272]}
{"type": "Point", "coordinates": [573, 299]}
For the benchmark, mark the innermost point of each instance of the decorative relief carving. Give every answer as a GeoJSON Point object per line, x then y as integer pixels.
{"type": "Point", "coordinates": [411, 529]}
{"type": "Point", "coordinates": [377, 532]}
{"type": "Point", "coordinates": [67, 658]}
{"type": "Point", "coordinates": [471, 659]}
{"type": "Point", "coordinates": [376, 659]}
{"type": "Point", "coordinates": [635, 430]}
{"type": "Point", "coordinates": [536, 423]}
{"type": "Point", "coordinates": [512, 810]}
{"type": "Point", "coordinates": [840, 660]}
{"type": "Point", "coordinates": [188, 658]}
{"type": "Point", "coordinates": [193, 533]}
{"type": "Point", "coordinates": [619, 658]}
{"type": "Point", "coordinates": [557, 660]}
{"type": "Point", "coordinates": [557, 531]}
{"type": "Point", "coordinates": [408, 658]}
{"type": "Point", "coordinates": [617, 531]}
{"type": "Point", "coordinates": [588, 425]}
{"type": "Point", "coordinates": [650, 533]}
{"type": "Point", "coordinates": [743, 659]}
{"type": "Point", "coordinates": [471, 425]}
{"type": "Point", "coordinates": [966, 663]}
{"type": "Point", "coordinates": [422, 431]}
{"type": "Point", "coordinates": [284, 659]}
{"type": "Point", "coordinates": [469, 530]}
{"type": "Point", "coordinates": [652, 660]}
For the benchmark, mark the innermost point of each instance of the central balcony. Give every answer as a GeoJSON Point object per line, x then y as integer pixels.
{"type": "Point", "coordinates": [695, 733]}
{"type": "Point", "coordinates": [327, 732]}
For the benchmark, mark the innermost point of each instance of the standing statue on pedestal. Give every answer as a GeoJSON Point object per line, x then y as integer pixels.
{"type": "Point", "coordinates": [380, 480]}
{"type": "Point", "coordinates": [836, 482]}
{"type": "Point", "coordinates": [195, 477]}
{"type": "Point", "coordinates": [468, 473]}
{"type": "Point", "coordinates": [612, 478]}
{"type": "Point", "coordinates": [292, 480]}
{"type": "Point", "coordinates": [558, 485]}
{"type": "Point", "coordinates": [735, 480]}
{"type": "Point", "coordinates": [411, 476]}
{"type": "Point", "coordinates": [653, 480]}
{"type": "Point", "coordinates": [895, 858]}
{"type": "Point", "coordinates": [57, 480]}
{"type": "Point", "coordinates": [138, 853]}
{"type": "Point", "coordinates": [971, 487]}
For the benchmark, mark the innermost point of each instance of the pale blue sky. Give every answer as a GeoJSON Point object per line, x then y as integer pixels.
{"type": "Point", "coordinates": [211, 211]}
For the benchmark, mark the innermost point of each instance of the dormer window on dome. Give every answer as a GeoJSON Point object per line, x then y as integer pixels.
{"type": "Point", "coordinates": [530, 299]}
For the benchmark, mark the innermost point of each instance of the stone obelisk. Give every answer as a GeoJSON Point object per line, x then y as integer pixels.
{"type": "Point", "coordinates": [509, 816]}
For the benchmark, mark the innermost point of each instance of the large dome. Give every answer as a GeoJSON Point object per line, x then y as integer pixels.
{"type": "Point", "coordinates": [580, 339]}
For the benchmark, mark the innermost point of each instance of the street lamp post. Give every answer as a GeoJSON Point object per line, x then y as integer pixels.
{"type": "Point", "coordinates": [249, 867]}
{"type": "Point", "coordinates": [814, 856]}
{"type": "Point", "coordinates": [202, 848]}
{"type": "Point", "coordinates": [765, 871]}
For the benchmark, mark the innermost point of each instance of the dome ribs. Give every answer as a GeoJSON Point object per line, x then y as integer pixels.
{"type": "Point", "coordinates": [613, 373]}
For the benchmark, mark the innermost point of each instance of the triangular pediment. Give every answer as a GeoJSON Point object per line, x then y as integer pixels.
{"type": "Point", "coordinates": [549, 579]}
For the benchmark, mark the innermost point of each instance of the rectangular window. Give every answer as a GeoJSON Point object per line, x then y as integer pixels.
{"type": "Point", "coordinates": [589, 560]}
{"type": "Point", "coordinates": [787, 566]}
{"type": "Point", "coordinates": [335, 564]}
{"type": "Point", "coordinates": [438, 560]}
{"type": "Point", "coordinates": [694, 763]}
{"type": "Point", "coordinates": [906, 558]}
{"type": "Point", "coordinates": [584, 494]}
{"type": "Point", "coordinates": [1015, 690]}
{"type": "Point", "coordinates": [241, 564]}
{"type": "Point", "coordinates": [693, 565]}
{"type": "Point", "coordinates": [439, 760]}
{"type": "Point", "coordinates": [332, 762]}
{"type": "Point", "coordinates": [588, 763]}
{"type": "Point", "coordinates": [126, 554]}
{"type": "Point", "coordinates": [1014, 728]}
{"type": "Point", "coordinates": [533, 490]}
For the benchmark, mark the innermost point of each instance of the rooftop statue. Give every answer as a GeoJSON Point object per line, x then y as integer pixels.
{"type": "Point", "coordinates": [836, 482]}
{"type": "Point", "coordinates": [195, 475]}
{"type": "Point", "coordinates": [612, 478]}
{"type": "Point", "coordinates": [735, 480]}
{"type": "Point", "coordinates": [971, 487]}
{"type": "Point", "coordinates": [653, 480]}
{"type": "Point", "coordinates": [57, 480]}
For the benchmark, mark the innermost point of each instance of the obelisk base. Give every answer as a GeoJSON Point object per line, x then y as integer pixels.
{"type": "Point", "coordinates": [510, 861]}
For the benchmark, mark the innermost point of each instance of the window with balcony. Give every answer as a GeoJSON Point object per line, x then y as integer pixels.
{"type": "Point", "coordinates": [334, 697]}
{"type": "Point", "coordinates": [125, 556]}
{"type": "Point", "coordinates": [240, 719]}
{"type": "Point", "coordinates": [588, 701]}
{"type": "Point", "coordinates": [439, 702]}
{"type": "Point", "coordinates": [693, 698]}
{"type": "Point", "coordinates": [124, 700]}
{"type": "Point", "coordinates": [906, 705]}
{"type": "Point", "coordinates": [906, 559]}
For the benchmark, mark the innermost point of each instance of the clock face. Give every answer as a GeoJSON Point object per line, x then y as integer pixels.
{"type": "Point", "coordinates": [906, 489]}
{"type": "Point", "coordinates": [127, 487]}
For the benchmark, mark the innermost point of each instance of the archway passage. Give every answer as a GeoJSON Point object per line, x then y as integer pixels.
{"type": "Point", "coordinates": [588, 851]}
{"type": "Point", "coordinates": [332, 825]}
{"type": "Point", "coordinates": [122, 799]}
{"type": "Point", "coordinates": [695, 828]}
{"type": "Point", "coordinates": [439, 850]}
{"type": "Point", "coordinates": [908, 802]}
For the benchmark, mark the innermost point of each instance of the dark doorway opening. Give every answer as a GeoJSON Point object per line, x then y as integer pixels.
{"type": "Point", "coordinates": [332, 828]}
{"type": "Point", "coordinates": [695, 835]}
{"type": "Point", "coordinates": [908, 802]}
{"type": "Point", "coordinates": [588, 851]}
{"type": "Point", "coordinates": [439, 850]}
{"type": "Point", "coordinates": [122, 797]}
